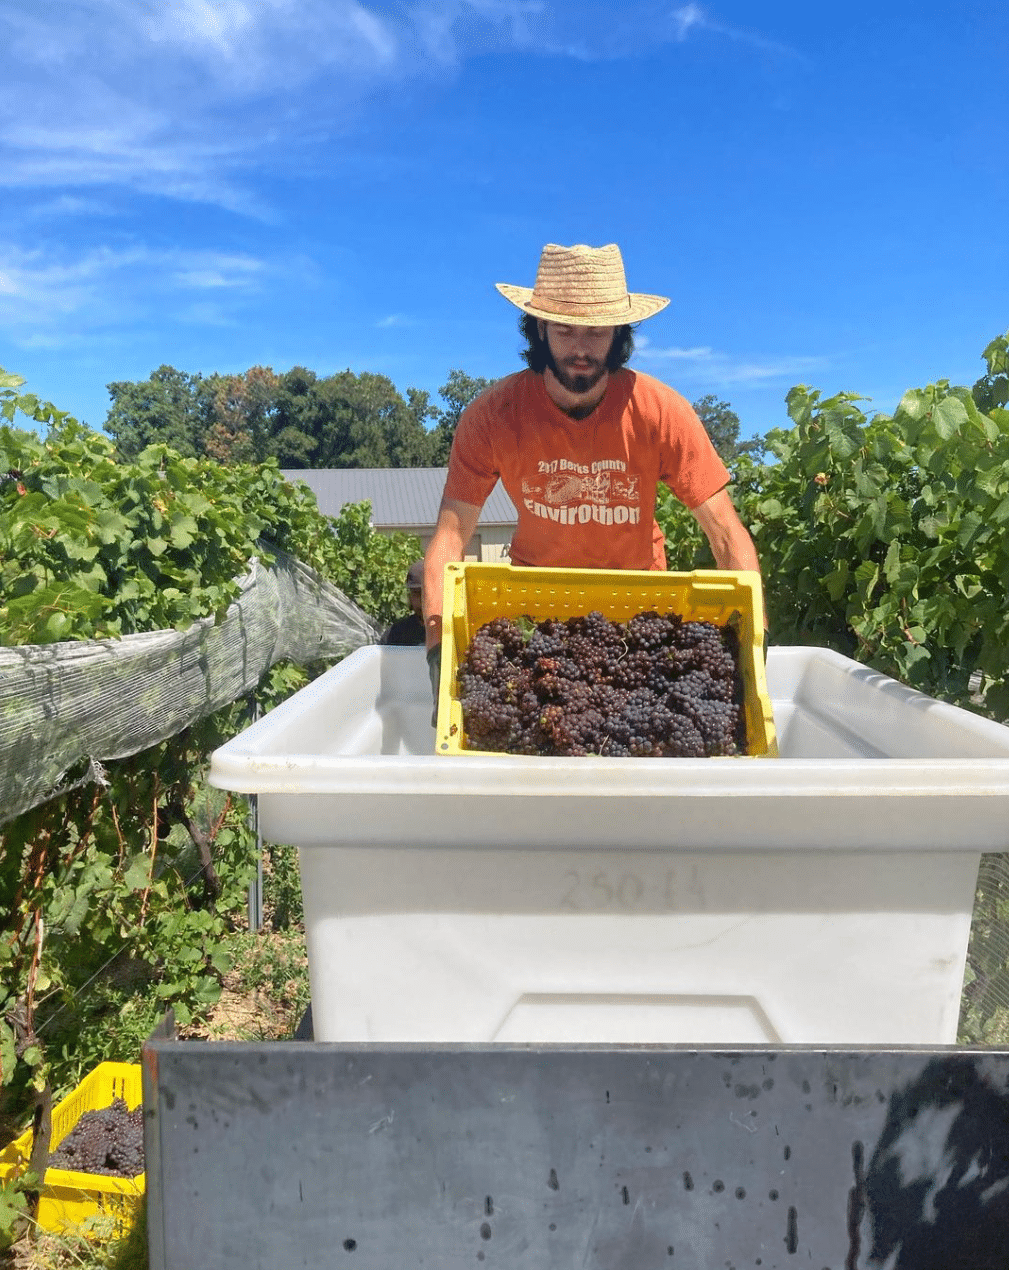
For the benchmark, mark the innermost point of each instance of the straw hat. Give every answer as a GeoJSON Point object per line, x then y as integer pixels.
{"type": "Point", "coordinates": [582, 286]}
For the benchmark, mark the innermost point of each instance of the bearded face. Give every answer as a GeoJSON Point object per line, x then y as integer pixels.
{"type": "Point", "coordinates": [577, 354]}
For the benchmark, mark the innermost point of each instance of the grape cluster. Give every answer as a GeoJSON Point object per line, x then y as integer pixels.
{"type": "Point", "coordinates": [653, 686]}
{"type": "Point", "coordinates": [108, 1140]}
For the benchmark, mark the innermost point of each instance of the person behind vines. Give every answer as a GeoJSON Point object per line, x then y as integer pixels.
{"type": "Point", "coordinates": [410, 629]}
{"type": "Point", "coordinates": [580, 441]}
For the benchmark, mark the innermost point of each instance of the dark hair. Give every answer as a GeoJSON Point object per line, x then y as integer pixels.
{"type": "Point", "coordinates": [536, 354]}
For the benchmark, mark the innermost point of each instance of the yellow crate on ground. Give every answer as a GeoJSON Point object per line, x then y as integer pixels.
{"type": "Point", "coordinates": [477, 593]}
{"type": "Point", "coordinates": [67, 1198]}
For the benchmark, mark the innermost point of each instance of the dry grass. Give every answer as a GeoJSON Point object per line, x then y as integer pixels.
{"type": "Point", "coordinates": [44, 1250]}
{"type": "Point", "coordinates": [265, 994]}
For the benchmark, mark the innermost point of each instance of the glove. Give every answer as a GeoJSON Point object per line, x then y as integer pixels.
{"type": "Point", "coordinates": [434, 670]}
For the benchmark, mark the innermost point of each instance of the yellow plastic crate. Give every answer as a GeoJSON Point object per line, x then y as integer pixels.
{"type": "Point", "coordinates": [67, 1198]}
{"type": "Point", "coordinates": [476, 593]}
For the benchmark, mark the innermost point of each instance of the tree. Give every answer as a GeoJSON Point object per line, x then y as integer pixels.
{"type": "Point", "coordinates": [722, 425]}
{"type": "Point", "coordinates": [170, 407]}
{"type": "Point", "coordinates": [460, 390]}
{"type": "Point", "coordinates": [244, 408]}
{"type": "Point", "coordinates": [362, 421]}
{"type": "Point", "coordinates": [294, 442]}
{"type": "Point", "coordinates": [298, 418]}
{"type": "Point", "coordinates": [418, 402]}
{"type": "Point", "coordinates": [406, 436]}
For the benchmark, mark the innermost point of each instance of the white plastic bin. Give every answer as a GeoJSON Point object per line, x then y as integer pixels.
{"type": "Point", "coordinates": [822, 897]}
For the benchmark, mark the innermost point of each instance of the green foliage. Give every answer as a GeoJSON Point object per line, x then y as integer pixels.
{"type": "Point", "coordinates": [358, 421]}
{"type": "Point", "coordinates": [91, 1246]}
{"type": "Point", "coordinates": [367, 566]}
{"type": "Point", "coordinates": [888, 537]}
{"type": "Point", "coordinates": [91, 547]}
{"type": "Point", "coordinates": [277, 966]}
{"type": "Point", "coordinates": [11, 402]}
{"type": "Point", "coordinates": [721, 424]}
{"type": "Point", "coordinates": [285, 886]}
{"type": "Point", "coordinates": [106, 894]}
{"type": "Point", "coordinates": [119, 901]}
{"type": "Point", "coordinates": [298, 418]}
{"type": "Point", "coordinates": [170, 408]}
{"type": "Point", "coordinates": [991, 391]}
{"type": "Point", "coordinates": [14, 1208]}
{"type": "Point", "coordinates": [458, 392]}
{"type": "Point", "coordinates": [984, 1007]}
{"type": "Point", "coordinates": [686, 546]}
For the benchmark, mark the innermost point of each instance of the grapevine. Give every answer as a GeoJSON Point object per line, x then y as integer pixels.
{"type": "Point", "coordinates": [118, 898]}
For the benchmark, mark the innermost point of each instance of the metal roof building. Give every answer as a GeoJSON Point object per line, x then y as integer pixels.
{"type": "Point", "coordinates": [406, 500]}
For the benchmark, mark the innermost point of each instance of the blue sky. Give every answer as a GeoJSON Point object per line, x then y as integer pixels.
{"type": "Point", "coordinates": [821, 189]}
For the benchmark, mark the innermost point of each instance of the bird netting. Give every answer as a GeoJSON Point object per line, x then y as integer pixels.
{"type": "Point", "coordinates": [984, 1006]}
{"type": "Point", "coordinates": [69, 703]}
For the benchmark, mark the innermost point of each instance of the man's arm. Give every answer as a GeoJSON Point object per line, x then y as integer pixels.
{"type": "Point", "coordinates": [731, 544]}
{"type": "Point", "coordinates": [456, 526]}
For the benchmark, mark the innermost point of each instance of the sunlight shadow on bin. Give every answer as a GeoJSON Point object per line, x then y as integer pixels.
{"type": "Point", "coordinates": [651, 1018]}
{"type": "Point", "coordinates": [935, 1195]}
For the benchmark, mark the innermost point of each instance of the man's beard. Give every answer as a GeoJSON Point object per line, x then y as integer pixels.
{"type": "Point", "coordinates": [576, 382]}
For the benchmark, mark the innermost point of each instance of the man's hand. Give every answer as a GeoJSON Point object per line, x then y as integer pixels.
{"type": "Point", "coordinates": [456, 526]}
{"type": "Point", "coordinates": [434, 671]}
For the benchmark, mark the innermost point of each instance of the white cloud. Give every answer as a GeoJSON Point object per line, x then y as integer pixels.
{"type": "Point", "coordinates": [691, 17]}
{"type": "Point", "coordinates": [450, 30]}
{"type": "Point", "coordinates": [246, 45]}
{"type": "Point", "coordinates": [394, 319]}
{"type": "Point", "coordinates": [206, 313]}
{"type": "Point", "coordinates": [687, 16]}
{"type": "Point", "coordinates": [187, 99]}
{"type": "Point", "coordinates": [202, 270]}
{"type": "Point", "coordinates": [45, 300]}
{"type": "Point", "coordinates": [217, 24]}
{"type": "Point", "coordinates": [180, 99]}
{"type": "Point", "coordinates": [67, 205]}
{"type": "Point", "coordinates": [721, 369]}
{"type": "Point", "coordinates": [699, 354]}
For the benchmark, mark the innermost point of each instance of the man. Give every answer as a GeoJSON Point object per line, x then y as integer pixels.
{"type": "Point", "coordinates": [579, 441]}
{"type": "Point", "coordinates": [410, 629]}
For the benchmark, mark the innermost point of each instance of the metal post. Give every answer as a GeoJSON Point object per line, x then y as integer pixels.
{"type": "Point", "coordinates": [256, 885]}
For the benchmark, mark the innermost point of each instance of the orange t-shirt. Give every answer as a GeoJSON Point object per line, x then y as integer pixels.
{"type": "Point", "coordinates": [584, 488]}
